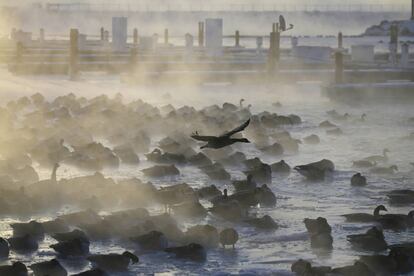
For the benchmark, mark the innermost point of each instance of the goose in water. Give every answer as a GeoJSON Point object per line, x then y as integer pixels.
{"type": "Point", "coordinates": [364, 217]}
{"type": "Point", "coordinates": [358, 180]}
{"type": "Point", "coordinates": [395, 263]}
{"type": "Point", "coordinates": [68, 236]}
{"type": "Point", "coordinates": [208, 192]}
{"type": "Point", "coordinates": [206, 235]}
{"type": "Point", "coordinates": [396, 221]}
{"type": "Point", "coordinates": [280, 167]}
{"type": "Point", "coordinates": [113, 261]}
{"type": "Point", "coordinates": [401, 197]}
{"type": "Point", "coordinates": [153, 240]}
{"type": "Point", "coordinates": [217, 142]}
{"type": "Point", "coordinates": [319, 232]}
{"type": "Point", "coordinates": [312, 139]}
{"type": "Point", "coordinates": [75, 247]}
{"type": "Point", "coordinates": [92, 272]}
{"type": "Point", "coordinates": [304, 268]}
{"type": "Point", "coordinates": [242, 185]}
{"type": "Point", "coordinates": [384, 170]}
{"type": "Point", "coordinates": [161, 171]}
{"type": "Point", "coordinates": [228, 236]}
{"type": "Point", "coordinates": [378, 158]}
{"type": "Point", "coordinates": [33, 228]}
{"type": "Point", "coordinates": [266, 222]}
{"type": "Point", "coordinates": [358, 268]}
{"type": "Point", "coordinates": [4, 248]}
{"type": "Point", "coordinates": [52, 267]}
{"type": "Point", "coordinates": [316, 170]}
{"type": "Point", "coordinates": [192, 251]}
{"type": "Point", "coordinates": [25, 243]}
{"type": "Point", "coordinates": [16, 269]}
{"type": "Point", "coordinates": [363, 164]}
{"type": "Point", "coordinates": [327, 124]}
{"type": "Point", "coordinates": [372, 240]}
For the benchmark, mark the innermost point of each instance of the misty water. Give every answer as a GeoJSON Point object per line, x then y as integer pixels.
{"type": "Point", "coordinates": [257, 252]}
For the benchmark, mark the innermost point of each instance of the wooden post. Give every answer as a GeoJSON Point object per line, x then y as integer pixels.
{"type": "Point", "coordinates": [200, 34]}
{"type": "Point", "coordinates": [135, 35]}
{"type": "Point", "coordinates": [237, 39]}
{"type": "Point", "coordinates": [271, 55]}
{"type": "Point", "coordinates": [102, 34]}
{"type": "Point", "coordinates": [339, 67]}
{"type": "Point", "coordinates": [412, 9]}
{"type": "Point", "coordinates": [166, 36]}
{"type": "Point", "coordinates": [277, 44]}
{"type": "Point", "coordinates": [19, 55]}
{"type": "Point", "coordinates": [41, 35]}
{"type": "Point", "coordinates": [340, 40]}
{"type": "Point", "coordinates": [73, 53]}
{"type": "Point", "coordinates": [134, 58]}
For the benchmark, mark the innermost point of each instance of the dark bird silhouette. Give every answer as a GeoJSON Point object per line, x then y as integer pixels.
{"type": "Point", "coordinates": [113, 262]}
{"type": "Point", "coordinates": [52, 267]}
{"type": "Point", "coordinates": [217, 142]}
{"type": "Point", "coordinates": [16, 269]}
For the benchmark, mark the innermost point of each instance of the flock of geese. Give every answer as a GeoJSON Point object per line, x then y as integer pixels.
{"type": "Point", "coordinates": [103, 133]}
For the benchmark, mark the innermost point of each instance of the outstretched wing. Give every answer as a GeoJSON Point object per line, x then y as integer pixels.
{"type": "Point", "coordinates": [237, 129]}
{"type": "Point", "coordinates": [203, 138]}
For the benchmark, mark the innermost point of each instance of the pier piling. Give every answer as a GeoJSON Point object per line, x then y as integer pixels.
{"type": "Point", "coordinates": [237, 39]}
{"type": "Point", "coordinates": [340, 40]}
{"type": "Point", "coordinates": [73, 53]}
{"type": "Point", "coordinates": [339, 67]}
{"type": "Point", "coordinates": [135, 36]}
{"type": "Point", "coordinates": [200, 34]}
{"type": "Point", "coordinates": [102, 33]}
{"type": "Point", "coordinates": [166, 36]}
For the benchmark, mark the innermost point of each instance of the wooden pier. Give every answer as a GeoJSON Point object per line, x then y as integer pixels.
{"type": "Point", "coordinates": [141, 61]}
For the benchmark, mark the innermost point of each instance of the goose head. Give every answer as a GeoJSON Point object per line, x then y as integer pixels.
{"type": "Point", "coordinates": [378, 209]}
{"type": "Point", "coordinates": [131, 256]}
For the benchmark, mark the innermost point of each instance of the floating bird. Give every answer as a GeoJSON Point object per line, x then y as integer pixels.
{"type": "Point", "coordinates": [26, 242]}
{"type": "Point", "coordinates": [68, 236]}
{"type": "Point", "coordinates": [266, 222]}
{"type": "Point", "coordinates": [32, 228]}
{"type": "Point", "coordinates": [153, 240]}
{"type": "Point", "coordinates": [396, 221]}
{"type": "Point", "coordinates": [304, 268]}
{"type": "Point", "coordinates": [52, 267]}
{"type": "Point", "coordinates": [363, 164]}
{"type": "Point", "coordinates": [192, 251]}
{"type": "Point", "coordinates": [75, 247]}
{"type": "Point", "coordinates": [378, 158]}
{"type": "Point", "coordinates": [358, 180]}
{"type": "Point", "coordinates": [92, 272]}
{"type": "Point", "coordinates": [228, 236]}
{"type": "Point", "coordinates": [358, 268]}
{"type": "Point", "coordinates": [217, 142]}
{"type": "Point", "coordinates": [4, 248]}
{"type": "Point", "coordinates": [363, 217]}
{"type": "Point", "coordinates": [113, 261]}
{"type": "Point", "coordinates": [384, 170]}
{"type": "Point", "coordinates": [372, 240]}
{"type": "Point", "coordinates": [316, 170]}
{"type": "Point", "coordinates": [16, 269]}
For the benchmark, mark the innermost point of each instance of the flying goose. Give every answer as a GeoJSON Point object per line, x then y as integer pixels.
{"type": "Point", "coordinates": [217, 142]}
